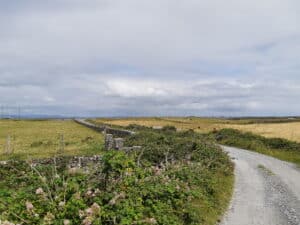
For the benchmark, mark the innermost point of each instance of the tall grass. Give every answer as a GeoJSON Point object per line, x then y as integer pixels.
{"type": "Point", "coordinates": [276, 147]}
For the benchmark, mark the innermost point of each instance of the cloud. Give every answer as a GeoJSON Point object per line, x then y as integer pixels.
{"type": "Point", "coordinates": [136, 57]}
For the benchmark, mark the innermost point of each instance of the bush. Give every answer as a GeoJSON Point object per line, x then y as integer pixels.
{"type": "Point", "coordinates": [250, 140]}
{"type": "Point", "coordinates": [177, 178]}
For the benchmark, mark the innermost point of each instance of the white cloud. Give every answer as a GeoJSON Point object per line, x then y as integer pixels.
{"type": "Point", "coordinates": [49, 99]}
{"type": "Point", "coordinates": [182, 57]}
{"type": "Point", "coordinates": [134, 88]}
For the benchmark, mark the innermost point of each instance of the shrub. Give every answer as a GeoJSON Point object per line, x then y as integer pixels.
{"type": "Point", "coordinates": [247, 139]}
{"type": "Point", "coordinates": [181, 179]}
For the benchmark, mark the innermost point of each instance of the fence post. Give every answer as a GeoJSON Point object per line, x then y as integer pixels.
{"type": "Point", "coordinates": [61, 144]}
{"type": "Point", "coordinates": [8, 145]}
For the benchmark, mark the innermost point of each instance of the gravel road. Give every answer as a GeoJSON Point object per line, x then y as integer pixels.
{"type": "Point", "coordinates": [267, 190]}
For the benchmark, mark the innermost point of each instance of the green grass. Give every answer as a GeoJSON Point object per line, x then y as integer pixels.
{"type": "Point", "coordinates": [41, 139]}
{"type": "Point", "coordinates": [276, 147]}
{"type": "Point", "coordinates": [176, 178]}
{"type": "Point", "coordinates": [265, 169]}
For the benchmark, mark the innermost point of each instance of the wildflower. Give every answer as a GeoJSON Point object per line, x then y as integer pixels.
{"type": "Point", "coordinates": [157, 171]}
{"type": "Point", "coordinates": [152, 221]}
{"type": "Point", "coordinates": [48, 219]}
{"type": "Point", "coordinates": [87, 221]}
{"type": "Point", "coordinates": [97, 191]}
{"type": "Point", "coordinates": [149, 221]}
{"type": "Point", "coordinates": [6, 223]}
{"type": "Point", "coordinates": [67, 222]}
{"type": "Point", "coordinates": [114, 200]}
{"type": "Point", "coordinates": [39, 191]}
{"type": "Point", "coordinates": [89, 193]}
{"type": "Point", "coordinates": [89, 211]}
{"type": "Point", "coordinates": [95, 208]}
{"type": "Point", "coordinates": [77, 195]}
{"type": "Point", "coordinates": [29, 206]}
{"type": "Point", "coordinates": [81, 213]}
{"type": "Point", "coordinates": [61, 205]}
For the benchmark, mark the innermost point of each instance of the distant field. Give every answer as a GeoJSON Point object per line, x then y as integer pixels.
{"type": "Point", "coordinates": [38, 139]}
{"type": "Point", "coordinates": [290, 131]}
{"type": "Point", "coordinates": [269, 127]}
{"type": "Point", "coordinates": [199, 124]}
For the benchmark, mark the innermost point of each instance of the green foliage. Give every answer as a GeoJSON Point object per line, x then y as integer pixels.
{"type": "Point", "coordinates": [177, 178]}
{"type": "Point", "coordinates": [276, 147]}
{"type": "Point", "coordinates": [169, 128]}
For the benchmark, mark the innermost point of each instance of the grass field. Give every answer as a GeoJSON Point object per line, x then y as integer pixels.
{"type": "Point", "coordinates": [197, 124]}
{"type": "Point", "coordinates": [290, 131]}
{"type": "Point", "coordinates": [267, 127]}
{"type": "Point", "coordinates": [39, 139]}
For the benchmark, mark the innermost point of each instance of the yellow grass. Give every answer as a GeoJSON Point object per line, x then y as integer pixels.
{"type": "Point", "coordinates": [38, 139]}
{"type": "Point", "coordinates": [288, 130]}
{"type": "Point", "coordinates": [198, 124]}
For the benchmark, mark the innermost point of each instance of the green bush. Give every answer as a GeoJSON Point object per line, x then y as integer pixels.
{"type": "Point", "coordinates": [277, 147]}
{"type": "Point", "coordinates": [176, 178]}
{"type": "Point", "coordinates": [247, 139]}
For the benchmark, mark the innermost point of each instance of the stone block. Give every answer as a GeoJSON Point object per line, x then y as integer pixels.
{"type": "Point", "coordinates": [118, 143]}
{"type": "Point", "coordinates": [109, 142]}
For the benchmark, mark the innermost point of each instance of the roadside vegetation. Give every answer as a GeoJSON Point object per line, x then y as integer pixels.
{"type": "Point", "coordinates": [276, 147]}
{"type": "Point", "coordinates": [26, 139]}
{"type": "Point", "coordinates": [195, 123]}
{"type": "Point", "coordinates": [176, 178]}
{"type": "Point", "coordinates": [282, 127]}
{"type": "Point", "coordinates": [275, 136]}
{"type": "Point", "coordinates": [287, 130]}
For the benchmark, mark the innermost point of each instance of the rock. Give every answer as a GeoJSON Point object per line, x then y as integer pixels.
{"type": "Point", "coordinates": [118, 143]}
{"type": "Point", "coordinates": [109, 142]}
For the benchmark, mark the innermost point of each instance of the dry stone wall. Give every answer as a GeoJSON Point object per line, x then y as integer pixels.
{"type": "Point", "coordinates": [113, 137]}
{"type": "Point", "coordinates": [104, 128]}
{"type": "Point", "coordinates": [83, 161]}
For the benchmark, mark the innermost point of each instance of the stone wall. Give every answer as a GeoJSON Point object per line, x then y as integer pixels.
{"type": "Point", "coordinates": [112, 143]}
{"type": "Point", "coordinates": [113, 137]}
{"type": "Point", "coordinates": [113, 140]}
{"type": "Point", "coordinates": [71, 162]}
{"type": "Point", "coordinates": [107, 129]}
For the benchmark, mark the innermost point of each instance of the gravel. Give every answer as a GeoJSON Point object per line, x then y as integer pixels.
{"type": "Point", "coordinates": [267, 190]}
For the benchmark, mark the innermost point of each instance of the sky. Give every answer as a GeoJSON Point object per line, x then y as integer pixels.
{"type": "Point", "coordinates": [112, 58]}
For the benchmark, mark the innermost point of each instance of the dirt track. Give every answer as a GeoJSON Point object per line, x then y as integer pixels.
{"type": "Point", "coordinates": [267, 191]}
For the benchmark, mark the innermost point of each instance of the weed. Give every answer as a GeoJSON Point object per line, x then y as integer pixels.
{"type": "Point", "coordinates": [268, 171]}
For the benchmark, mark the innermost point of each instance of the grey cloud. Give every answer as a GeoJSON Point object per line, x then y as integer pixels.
{"type": "Point", "coordinates": [170, 57]}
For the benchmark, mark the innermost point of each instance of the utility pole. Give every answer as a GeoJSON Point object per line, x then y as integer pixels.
{"type": "Point", "coordinates": [1, 111]}
{"type": "Point", "coordinates": [19, 112]}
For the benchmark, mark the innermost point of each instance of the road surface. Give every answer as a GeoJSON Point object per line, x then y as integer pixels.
{"type": "Point", "coordinates": [267, 190]}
